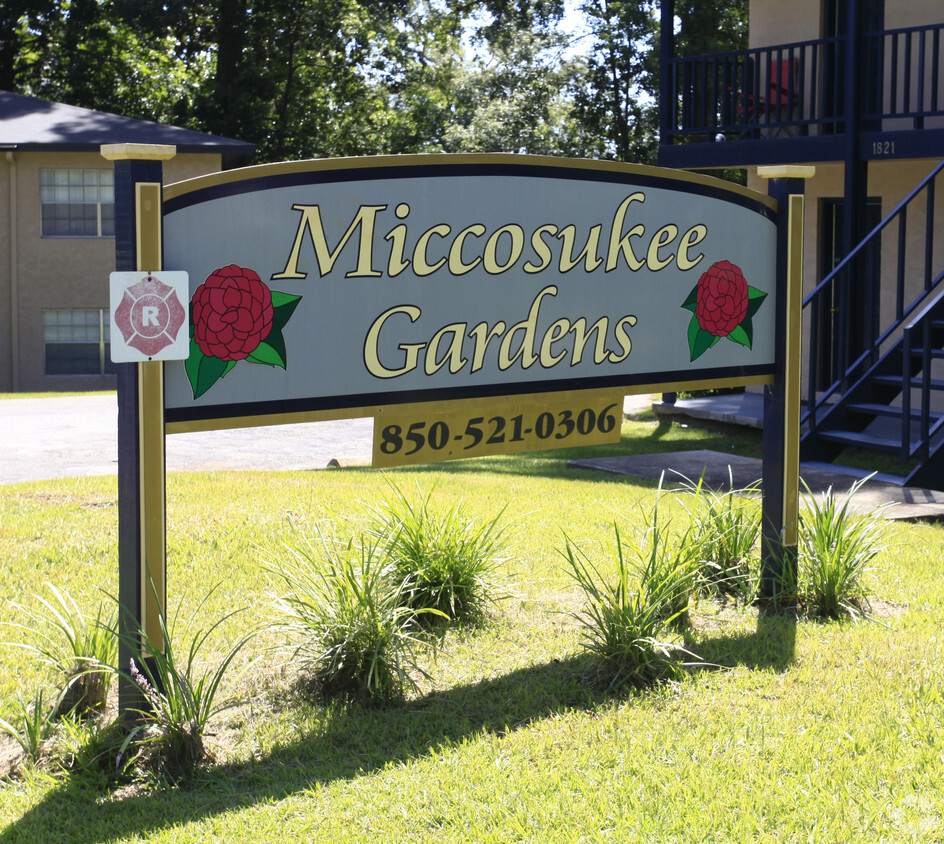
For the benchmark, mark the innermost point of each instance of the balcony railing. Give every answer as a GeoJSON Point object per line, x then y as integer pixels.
{"type": "Point", "coordinates": [797, 89]}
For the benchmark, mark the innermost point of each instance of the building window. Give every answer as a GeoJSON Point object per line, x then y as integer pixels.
{"type": "Point", "coordinates": [78, 342]}
{"type": "Point", "coordinates": [77, 203]}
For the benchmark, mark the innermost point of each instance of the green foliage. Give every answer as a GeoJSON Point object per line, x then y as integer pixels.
{"type": "Point", "coordinates": [616, 101]}
{"type": "Point", "coordinates": [80, 650]}
{"type": "Point", "coordinates": [92, 747]}
{"type": "Point", "coordinates": [726, 528]}
{"type": "Point", "coordinates": [846, 721]}
{"type": "Point", "coordinates": [444, 559]}
{"type": "Point", "coordinates": [835, 547]}
{"type": "Point", "coordinates": [32, 726]}
{"type": "Point", "coordinates": [669, 565]}
{"type": "Point", "coordinates": [346, 617]}
{"type": "Point", "coordinates": [625, 622]}
{"type": "Point", "coordinates": [179, 697]}
{"type": "Point", "coordinates": [628, 620]}
{"type": "Point", "coordinates": [519, 97]}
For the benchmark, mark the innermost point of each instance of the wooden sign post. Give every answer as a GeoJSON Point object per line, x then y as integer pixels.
{"type": "Point", "coordinates": [781, 449]}
{"type": "Point", "coordinates": [142, 587]}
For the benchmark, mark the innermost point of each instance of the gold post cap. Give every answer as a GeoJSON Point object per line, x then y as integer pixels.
{"type": "Point", "coordinates": [145, 152]}
{"type": "Point", "coordinates": [787, 171]}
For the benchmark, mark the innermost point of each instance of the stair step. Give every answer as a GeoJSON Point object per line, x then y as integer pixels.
{"type": "Point", "coordinates": [917, 352]}
{"type": "Point", "coordinates": [861, 440]}
{"type": "Point", "coordinates": [886, 410]}
{"type": "Point", "coordinates": [896, 381]}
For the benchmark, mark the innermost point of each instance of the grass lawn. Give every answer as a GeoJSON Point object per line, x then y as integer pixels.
{"type": "Point", "coordinates": [798, 730]}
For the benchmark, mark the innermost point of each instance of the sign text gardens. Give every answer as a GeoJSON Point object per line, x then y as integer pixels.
{"type": "Point", "coordinates": [359, 285]}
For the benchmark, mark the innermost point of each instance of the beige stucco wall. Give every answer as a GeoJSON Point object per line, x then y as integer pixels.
{"type": "Point", "coordinates": [801, 20]}
{"type": "Point", "coordinates": [56, 272]}
{"type": "Point", "coordinates": [783, 23]}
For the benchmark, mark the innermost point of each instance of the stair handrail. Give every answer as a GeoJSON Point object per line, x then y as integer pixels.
{"type": "Point", "coordinates": [813, 403]}
{"type": "Point", "coordinates": [926, 431]}
{"type": "Point", "coordinates": [864, 242]}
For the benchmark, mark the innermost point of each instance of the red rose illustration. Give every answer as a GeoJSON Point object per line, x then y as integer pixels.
{"type": "Point", "coordinates": [722, 299]}
{"type": "Point", "coordinates": [722, 305]}
{"type": "Point", "coordinates": [232, 313]}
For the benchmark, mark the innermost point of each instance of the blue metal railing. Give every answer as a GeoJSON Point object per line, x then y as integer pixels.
{"type": "Point", "coordinates": [919, 443]}
{"type": "Point", "coordinates": [796, 89]}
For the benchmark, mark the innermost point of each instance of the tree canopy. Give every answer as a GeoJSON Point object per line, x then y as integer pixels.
{"type": "Point", "coordinates": [318, 78]}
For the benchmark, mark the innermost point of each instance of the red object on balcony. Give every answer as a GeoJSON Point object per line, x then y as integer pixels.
{"type": "Point", "coordinates": [777, 105]}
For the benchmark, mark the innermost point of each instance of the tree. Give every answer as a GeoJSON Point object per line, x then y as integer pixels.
{"type": "Point", "coordinates": [519, 97]}
{"type": "Point", "coordinates": [617, 101]}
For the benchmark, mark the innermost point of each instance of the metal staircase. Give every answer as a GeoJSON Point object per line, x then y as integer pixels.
{"type": "Point", "coordinates": [887, 394]}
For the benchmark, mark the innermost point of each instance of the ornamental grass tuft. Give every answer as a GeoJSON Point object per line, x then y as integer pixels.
{"type": "Point", "coordinates": [179, 698]}
{"type": "Point", "coordinates": [630, 619]}
{"type": "Point", "coordinates": [81, 650]}
{"type": "Point", "coordinates": [835, 547]}
{"type": "Point", "coordinates": [444, 558]}
{"type": "Point", "coordinates": [725, 530]}
{"type": "Point", "coordinates": [346, 618]}
{"type": "Point", "coordinates": [31, 728]}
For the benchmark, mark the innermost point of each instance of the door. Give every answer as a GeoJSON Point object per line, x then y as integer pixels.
{"type": "Point", "coordinates": [846, 312]}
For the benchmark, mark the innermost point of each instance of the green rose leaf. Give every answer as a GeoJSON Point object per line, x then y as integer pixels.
{"type": "Point", "coordinates": [203, 371]}
{"type": "Point", "coordinates": [266, 353]}
{"type": "Point", "coordinates": [755, 298]}
{"type": "Point", "coordinates": [283, 306]}
{"type": "Point", "coordinates": [699, 340]}
{"type": "Point", "coordinates": [691, 303]}
{"type": "Point", "coordinates": [743, 334]}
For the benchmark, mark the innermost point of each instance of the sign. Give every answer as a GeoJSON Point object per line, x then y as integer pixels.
{"type": "Point", "coordinates": [429, 433]}
{"type": "Point", "coordinates": [345, 286]}
{"type": "Point", "coordinates": [150, 314]}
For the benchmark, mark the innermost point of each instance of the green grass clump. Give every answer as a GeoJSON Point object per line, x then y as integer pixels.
{"type": "Point", "coordinates": [725, 530]}
{"type": "Point", "coordinates": [180, 696]}
{"type": "Point", "coordinates": [81, 650]}
{"type": "Point", "coordinates": [629, 620]}
{"type": "Point", "coordinates": [835, 548]}
{"type": "Point", "coordinates": [30, 727]}
{"type": "Point", "coordinates": [346, 617]}
{"type": "Point", "coordinates": [806, 731]}
{"type": "Point", "coordinates": [444, 558]}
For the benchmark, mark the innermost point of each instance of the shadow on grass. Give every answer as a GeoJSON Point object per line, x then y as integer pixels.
{"type": "Point", "coordinates": [349, 743]}
{"type": "Point", "coordinates": [357, 741]}
{"type": "Point", "coordinates": [665, 437]}
{"type": "Point", "coordinates": [772, 646]}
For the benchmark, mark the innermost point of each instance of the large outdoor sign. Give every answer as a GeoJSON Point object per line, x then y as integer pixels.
{"type": "Point", "coordinates": [470, 304]}
{"type": "Point", "coordinates": [360, 284]}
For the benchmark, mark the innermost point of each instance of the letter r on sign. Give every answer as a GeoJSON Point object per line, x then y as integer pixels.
{"type": "Point", "coordinates": [149, 315]}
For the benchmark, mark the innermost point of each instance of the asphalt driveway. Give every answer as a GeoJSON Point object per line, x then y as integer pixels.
{"type": "Point", "coordinates": [75, 436]}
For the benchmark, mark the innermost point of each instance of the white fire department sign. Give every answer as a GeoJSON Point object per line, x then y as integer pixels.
{"type": "Point", "coordinates": [149, 316]}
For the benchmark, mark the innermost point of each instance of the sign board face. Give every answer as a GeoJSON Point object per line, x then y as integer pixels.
{"type": "Point", "coordinates": [149, 316]}
{"type": "Point", "coordinates": [359, 283]}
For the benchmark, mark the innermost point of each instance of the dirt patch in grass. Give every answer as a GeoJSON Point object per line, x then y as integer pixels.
{"type": "Point", "coordinates": [66, 498]}
{"type": "Point", "coordinates": [11, 754]}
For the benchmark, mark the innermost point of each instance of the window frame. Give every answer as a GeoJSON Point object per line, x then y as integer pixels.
{"type": "Point", "coordinates": [69, 188]}
{"type": "Point", "coordinates": [105, 365]}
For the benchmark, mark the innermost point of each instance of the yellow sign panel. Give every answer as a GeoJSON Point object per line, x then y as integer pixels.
{"type": "Point", "coordinates": [433, 432]}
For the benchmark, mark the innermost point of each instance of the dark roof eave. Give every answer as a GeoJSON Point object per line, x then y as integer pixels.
{"type": "Point", "coordinates": [238, 148]}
